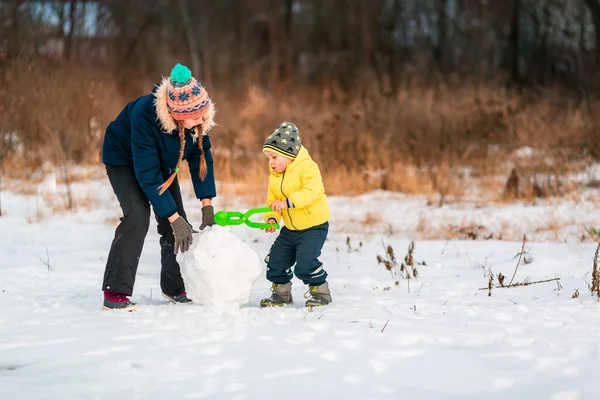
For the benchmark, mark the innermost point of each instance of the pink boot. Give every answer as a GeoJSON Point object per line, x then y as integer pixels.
{"type": "Point", "coordinates": [117, 301]}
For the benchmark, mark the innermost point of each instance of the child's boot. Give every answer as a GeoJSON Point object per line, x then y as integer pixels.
{"type": "Point", "coordinates": [282, 296]}
{"type": "Point", "coordinates": [117, 301]}
{"type": "Point", "coordinates": [318, 295]}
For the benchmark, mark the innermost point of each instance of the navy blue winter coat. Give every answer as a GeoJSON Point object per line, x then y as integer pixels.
{"type": "Point", "coordinates": [145, 137]}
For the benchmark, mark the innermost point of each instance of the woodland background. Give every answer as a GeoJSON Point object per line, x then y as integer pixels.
{"type": "Point", "coordinates": [439, 97]}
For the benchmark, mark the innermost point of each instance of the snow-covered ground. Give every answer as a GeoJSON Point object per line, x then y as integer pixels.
{"type": "Point", "coordinates": [438, 338]}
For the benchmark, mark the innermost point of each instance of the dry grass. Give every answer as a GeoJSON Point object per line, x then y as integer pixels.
{"type": "Point", "coordinates": [58, 203]}
{"type": "Point", "coordinates": [407, 269]}
{"type": "Point", "coordinates": [595, 286]}
{"type": "Point", "coordinates": [550, 228]}
{"type": "Point", "coordinates": [371, 219]}
{"type": "Point", "coordinates": [445, 142]}
{"type": "Point", "coordinates": [420, 143]}
{"type": "Point", "coordinates": [114, 220]}
{"type": "Point", "coordinates": [428, 230]}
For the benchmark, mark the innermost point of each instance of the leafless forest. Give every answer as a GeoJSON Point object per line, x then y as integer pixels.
{"type": "Point", "coordinates": [420, 96]}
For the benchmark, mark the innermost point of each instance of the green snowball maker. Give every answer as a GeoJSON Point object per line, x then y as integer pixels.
{"type": "Point", "coordinates": [230, 218]}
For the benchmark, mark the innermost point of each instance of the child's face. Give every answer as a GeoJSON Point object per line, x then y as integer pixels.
{"type": "Point", "coordinates": [278, 163]}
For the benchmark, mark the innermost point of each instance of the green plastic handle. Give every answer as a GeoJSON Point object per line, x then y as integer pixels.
{"type": "Point", "coordinates": [230, 218]}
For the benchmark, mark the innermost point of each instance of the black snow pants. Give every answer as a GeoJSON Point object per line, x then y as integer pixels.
{"type": "Point", "coordinates": [126, 248]}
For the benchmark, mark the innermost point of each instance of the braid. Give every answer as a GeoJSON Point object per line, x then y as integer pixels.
{"type": "Point", "coordinates": [162, 188]}
{"type": "Point", "coordinates": [203, 167]}
{"type": "Point", "coordinates": [182, 143]}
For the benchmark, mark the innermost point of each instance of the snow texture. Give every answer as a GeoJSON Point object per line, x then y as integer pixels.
{"type": "Point", "coordinates": [437, 338]}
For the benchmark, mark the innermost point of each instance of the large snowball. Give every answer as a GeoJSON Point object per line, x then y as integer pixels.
{"type": "Point", "coordinates": [219, 269]}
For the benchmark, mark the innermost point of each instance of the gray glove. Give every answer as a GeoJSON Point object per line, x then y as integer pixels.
{"type": "Point", "coordinates": [208, 217]}
{"type": "Point", "coordinates": [183, 234]}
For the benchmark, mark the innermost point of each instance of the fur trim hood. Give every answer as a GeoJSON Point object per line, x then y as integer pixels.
{"type": "Point", "coordinates": [166, 122]}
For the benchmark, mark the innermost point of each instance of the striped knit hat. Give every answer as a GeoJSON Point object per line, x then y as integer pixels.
{"type": "Point", "coordinates": [285, 140]}
{"type": "Point", "coordinates": [187, 98]}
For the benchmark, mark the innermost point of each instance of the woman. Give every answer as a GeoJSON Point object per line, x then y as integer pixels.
{"type": "Point", "coordinates": [143, 149]}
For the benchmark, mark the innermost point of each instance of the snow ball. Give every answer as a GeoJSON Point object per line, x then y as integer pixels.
{"type": "Point", "coordinates": [219, 269]}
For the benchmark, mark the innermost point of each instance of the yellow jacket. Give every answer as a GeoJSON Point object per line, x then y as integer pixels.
{"type": "Point", "coordinates": [301, 186]}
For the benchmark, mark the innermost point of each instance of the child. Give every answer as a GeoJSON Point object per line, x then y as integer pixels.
{"type": "Point", "coordinates": [296, 192]}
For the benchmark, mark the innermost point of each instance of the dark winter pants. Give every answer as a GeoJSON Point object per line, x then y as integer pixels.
{"type": "Point", "coordinates": [302, 248]}
{"type": "Point", "coordinates": [124, 255]}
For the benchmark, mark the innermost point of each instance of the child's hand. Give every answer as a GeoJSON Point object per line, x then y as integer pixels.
{"type": "Point", "coordinates": [273, 229]}
{"type": "Point", "coordinates": [278, 205]}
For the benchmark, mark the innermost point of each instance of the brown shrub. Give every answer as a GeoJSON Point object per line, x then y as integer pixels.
{"type": "Point", "coordinates": [428, 140]}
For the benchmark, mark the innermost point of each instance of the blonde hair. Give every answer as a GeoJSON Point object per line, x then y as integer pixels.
{"type": "Point", "coordinates": [203, 168]}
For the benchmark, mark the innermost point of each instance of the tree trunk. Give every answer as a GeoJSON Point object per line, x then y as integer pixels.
{"type": "Point", "coordinates": [62, 21]}
{"type": "Point", "coordinates": [68, 54]}
{"type": "Point", "coordinates": [594, 7]}
{"type": "Point", "coordinates": [14, 37]}
{"type": "Point", "coordinates": [289, 40]}
{"type": "Point", "coordinates": [392, 64]}
{"type": "Point", "coordinates": [581, 62]}
{"type": "Point", "coordinates": [274, 44]}
{"type": "Point", "coordinates": [515, 40]}
{"type": "Point", "coordinates": [320, 41]}
{"type": "Point", "coordinates": [442, 36]}
{"type": "Point", "coordinates": [164, 61]}
{"type": "Point", "coordinates": [190, 36]}
{"type": "Point", "coordinates": [206, 77]}
{"type": "Point", "coordinates": [239, 64]}
{"type": "Point", "coordinates": [132, 40]}
{"type": "Point", "coordinates": [545, 62]}
{"type": "Point", "coordinates": [365, 27]}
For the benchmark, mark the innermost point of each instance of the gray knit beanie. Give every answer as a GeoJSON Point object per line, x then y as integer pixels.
{"type": "Point", "coordinates": [285, 140]}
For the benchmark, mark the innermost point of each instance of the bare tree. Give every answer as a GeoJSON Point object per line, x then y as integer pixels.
{"type": "Point", "coordinates": [515, 34]}
{"type": "Point", "coordinates": [594, 7]}
{"type": "Point", "coordinates": [191, 36]}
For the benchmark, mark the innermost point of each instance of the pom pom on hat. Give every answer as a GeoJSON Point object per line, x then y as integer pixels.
{"type": "Point", "coordinates": [187, 98]}
{"type": "Point", "coordinates": [180, 74]}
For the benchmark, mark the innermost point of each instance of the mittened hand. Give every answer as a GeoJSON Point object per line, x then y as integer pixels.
{"type": "Point", "coordinates": [208, 217]}
{"type": "Point", "coordinates": [183, 235]}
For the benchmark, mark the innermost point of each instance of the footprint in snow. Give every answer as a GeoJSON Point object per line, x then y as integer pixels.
{"type": "Point", "coordinates": [11, 367]}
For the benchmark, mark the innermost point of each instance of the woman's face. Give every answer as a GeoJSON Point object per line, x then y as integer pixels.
{"type": "Point", "coordinates": [190, 123]}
